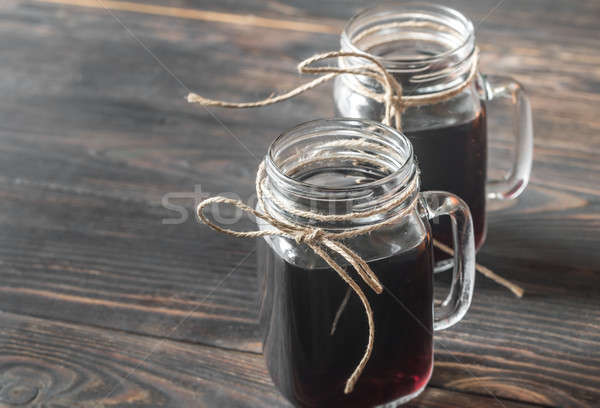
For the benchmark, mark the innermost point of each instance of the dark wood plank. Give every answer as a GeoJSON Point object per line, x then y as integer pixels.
{"type": "Point", "coordinates": [436, 397]}
{"type": "Point", "coordinates": [46, 363]}
{"type": "Point", "coordinates": [93, 133]}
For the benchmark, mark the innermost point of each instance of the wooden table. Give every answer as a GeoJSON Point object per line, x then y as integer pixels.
{"type": "Point", "coordinates": [103, 303]}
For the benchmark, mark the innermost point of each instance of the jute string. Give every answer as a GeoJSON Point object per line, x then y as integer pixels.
{"type": "Point", "coordinates": [321, 241]}
{"type": "Point", "coordinates": [392, 98]}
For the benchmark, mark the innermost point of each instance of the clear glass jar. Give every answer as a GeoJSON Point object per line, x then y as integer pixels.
{"type": "Point", "coordinates": [315, 328]}
{"type": "Point", "coordinates": [431, 49]}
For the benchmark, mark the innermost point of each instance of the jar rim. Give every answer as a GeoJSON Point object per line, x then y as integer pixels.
{"type": "Point", "coordinates": [424, 8]}
{"type": "Point", "coordinates": [332, 124]}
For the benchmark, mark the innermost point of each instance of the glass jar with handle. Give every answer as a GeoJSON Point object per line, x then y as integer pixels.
{"type": "Point", "coordinates": [334, 177]}
{"type": "Point", "coordinates": [430, 50]}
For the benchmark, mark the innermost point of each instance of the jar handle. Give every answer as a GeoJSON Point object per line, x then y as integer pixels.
{"type": "Point", "coordinates": [457, 303]}
{"type": "Point", "coordinates": [515, 181]}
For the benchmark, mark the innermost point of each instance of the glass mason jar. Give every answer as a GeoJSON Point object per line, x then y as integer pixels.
{"type": "Point", "coordinates": [431, 49]}
{"type": "Point", "coordinates": [315, 328]}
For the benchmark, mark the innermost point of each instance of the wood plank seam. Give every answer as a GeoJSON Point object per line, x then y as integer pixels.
{"type": "Point", "coordinates": [118, 330]}
{"type": "Point", "coordinates": [202, 15]}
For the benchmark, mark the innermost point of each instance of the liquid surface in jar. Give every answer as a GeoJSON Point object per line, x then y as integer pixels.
{"type": "Point", "coordinates": [310, 364]}
{"type": "Point", "coordinates": [454, 159]}
{"type": "Point", "coordinates": [403, 49]}
{"type": "Point", "coordinates": [344, 172]}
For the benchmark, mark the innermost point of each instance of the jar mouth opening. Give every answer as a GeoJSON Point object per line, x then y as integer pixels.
{"type": "Point", "coordinates": [457, 30]}
{"type": "Point", "coordinates": [298, 140]}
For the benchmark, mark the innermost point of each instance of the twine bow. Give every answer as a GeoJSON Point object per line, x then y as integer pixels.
{"type": "Point", "coordinates": [321, 241]}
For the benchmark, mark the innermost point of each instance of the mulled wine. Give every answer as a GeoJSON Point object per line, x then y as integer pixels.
{"type": "Point", "coordinates": [310, 354]}
{"type": "Point", "coordinates": [454, 159]}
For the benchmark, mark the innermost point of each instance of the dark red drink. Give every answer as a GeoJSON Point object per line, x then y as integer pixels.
{"type": "Point", "coordinates": [310, 365]}
{"type": "Point", "coordinates": [454, 159]}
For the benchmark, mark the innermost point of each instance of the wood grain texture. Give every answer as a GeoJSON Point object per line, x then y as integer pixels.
{"type": "Point", "coordinates": [53, 364]}
{"type": "Point", "coordinates": [94, 132]}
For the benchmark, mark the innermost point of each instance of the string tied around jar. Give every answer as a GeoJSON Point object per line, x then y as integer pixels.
{"type": "Point", "coordinates": [323, 242]}
{"type": "Point", "coordinates": [391, 95]}
{"type": "Point", "coordinates": [309, 236]}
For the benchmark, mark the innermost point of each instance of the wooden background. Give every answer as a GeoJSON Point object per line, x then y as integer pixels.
{"type": "Point", "coordinates": [103, 304]}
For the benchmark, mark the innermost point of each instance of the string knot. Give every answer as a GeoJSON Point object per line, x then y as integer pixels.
{"type": "Point", "coordinates": [309, 236]}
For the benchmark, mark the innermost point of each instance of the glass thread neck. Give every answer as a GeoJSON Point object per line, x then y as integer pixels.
{"type": "Point", "coordinates": [428, 48]}
{"type": "Point", "coordinates": [339, 166]}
